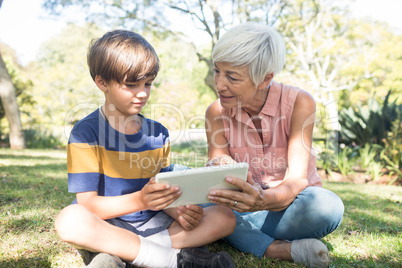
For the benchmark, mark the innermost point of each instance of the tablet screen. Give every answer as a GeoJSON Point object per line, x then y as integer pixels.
{"type": "Point", "coordinates": [195, 184]}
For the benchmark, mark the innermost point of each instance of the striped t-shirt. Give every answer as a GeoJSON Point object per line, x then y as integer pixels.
{"type": "Point", "coordinates": [101, 159]}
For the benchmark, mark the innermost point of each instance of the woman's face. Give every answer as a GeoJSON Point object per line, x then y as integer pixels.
{"type": "Point", "coordinates": [234, 85]}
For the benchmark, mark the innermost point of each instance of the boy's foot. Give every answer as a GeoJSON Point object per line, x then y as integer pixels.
{"type": "Point", "coordinates": [101, 260]}
{"type": "Point", "coordinates": [200, 258]}
{"type": "Point", "coordinates": [310, 252]}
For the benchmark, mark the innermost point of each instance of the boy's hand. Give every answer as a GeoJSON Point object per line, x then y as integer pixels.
{"type": "Point", "coordinates": [190, 216]}
{"type": "Point", "coordinates": [157, 196]}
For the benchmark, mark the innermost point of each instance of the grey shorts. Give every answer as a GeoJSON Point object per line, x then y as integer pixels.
{"type": "Point", "coordinates": [161, 221]}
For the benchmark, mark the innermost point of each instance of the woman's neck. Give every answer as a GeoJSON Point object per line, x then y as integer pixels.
{"type": "Point", "coordinates": [254, 108]}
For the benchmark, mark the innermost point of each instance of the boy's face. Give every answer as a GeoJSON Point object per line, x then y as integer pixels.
{"type": "Point", "coordinates": [128, 98]}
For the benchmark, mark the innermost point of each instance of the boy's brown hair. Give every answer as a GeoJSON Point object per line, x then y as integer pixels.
{"type": "Point", "coordinates": [122, 56]}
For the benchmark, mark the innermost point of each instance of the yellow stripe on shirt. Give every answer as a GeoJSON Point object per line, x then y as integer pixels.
{"type": "Point", "coordinates": [82, 158]}
{"type": "Point", "coordinates": [125, 165]}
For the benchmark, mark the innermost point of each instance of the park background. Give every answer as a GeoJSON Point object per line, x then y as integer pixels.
{"type": "Point", "coordinates": [351, 64]}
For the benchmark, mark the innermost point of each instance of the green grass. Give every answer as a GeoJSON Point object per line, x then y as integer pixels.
{"type": "Point", "coordinates": [33, 189]}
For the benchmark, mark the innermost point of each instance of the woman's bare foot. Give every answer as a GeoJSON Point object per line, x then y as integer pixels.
{"type": "Point", "coordinates": [310, 252]}
{"type": "Point", "coordinates": [279, 249]}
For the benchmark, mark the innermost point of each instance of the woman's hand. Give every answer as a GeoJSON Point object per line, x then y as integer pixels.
{"type": "Point", "coordinates": [190, 216]}
{"type": "Point", "coordinates": [157, 196]}
{"type": "Point", "coordinates": [253, 198]}
{"type": "Point", "coordinates": [250, 198]}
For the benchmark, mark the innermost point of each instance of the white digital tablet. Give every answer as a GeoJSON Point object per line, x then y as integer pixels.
{"type": "Point", "coordinates": [196, 183]}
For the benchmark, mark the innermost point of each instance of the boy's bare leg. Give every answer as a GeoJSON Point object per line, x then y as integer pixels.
{"type": "Point", "coordinates": [217, 222]}
{"type": "Point", "coordinates": [78, 226]}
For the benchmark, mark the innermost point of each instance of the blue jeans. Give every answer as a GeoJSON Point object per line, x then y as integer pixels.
{"type": "Point", "coordinates": [314, 213]}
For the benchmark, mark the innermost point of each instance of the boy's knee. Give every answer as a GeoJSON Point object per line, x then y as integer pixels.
{"type": "Point", "coordinates": [70, 222]}
{"type": "Point", "coordinates": [226, 219]}
{"type": "Point", "coordinates": [230, 219]}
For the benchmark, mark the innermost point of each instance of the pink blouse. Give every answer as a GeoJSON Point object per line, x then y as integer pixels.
{"type": "Point", "coordinates": [268, 159]}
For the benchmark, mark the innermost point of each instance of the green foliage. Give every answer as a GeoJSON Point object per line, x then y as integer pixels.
{"type": "Point", "coordinates": [369, 123]}
{"type": "Point", "coordinates": [393, 168]}
{"type": "Point", "coordinates": [192, 154]}
{"type": "Point", "coordinates": [379, 66]}
{"type": "Point", "coordinates": [326, 156]}
{"type": "Point", "coordinates": [22, 85]}
{"type": "Point", "coordinates": [64, 91]}
{"type": "Point", "coordinates": [368, 154]}
{"type": "Point", "coordinates": [393, 143]}
{"type": "Point", "coordinates": [42, 139]}
{"type": "Point", "coordinates": [392, 153]}
{"type": "Point", "coordinates": [376, 129]}
{"type": "Point", "coordinates": [326, 161]}
{"type": "Point", "coordinates": [352, 161]}
{"type": "Point", "coordinates": [189, 147]}
{"type": "Point", "coordinates": [345, 160]}
{"type": "Point", "coordinates": [374, 170]}
{"type": "Point", "coordinates": [180, 96]}
{"type": "Point", "coordinates": [369, 160]}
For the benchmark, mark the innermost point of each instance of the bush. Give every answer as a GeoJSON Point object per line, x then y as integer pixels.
{"type": "Point", "coordinates": [368, 154]}
{"type": "Point", "coordinates": [369, 123]}
{"type": "Point", "coordinates": [392, 155]}
{"type": "Point", "coordinates": [190, 147]}
{"type": "Point", "coordinates": [38, 139]}
{"type": "Point", "coordinates": [345, 160]}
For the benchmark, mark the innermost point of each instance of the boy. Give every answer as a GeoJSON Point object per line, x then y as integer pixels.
{"type": "Point", "coordinates": [113, 155]}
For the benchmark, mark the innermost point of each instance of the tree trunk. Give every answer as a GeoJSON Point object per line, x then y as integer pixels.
{"type": "Point", "coordinates": [210, 78]}
{"type": "Point", "coordinates": [210, 81]}
{"type": "Point", "coordinates": [8, 98]}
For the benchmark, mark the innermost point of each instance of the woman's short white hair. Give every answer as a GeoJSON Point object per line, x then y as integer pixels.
{"type": "Point", "coordinates": [257, 46]}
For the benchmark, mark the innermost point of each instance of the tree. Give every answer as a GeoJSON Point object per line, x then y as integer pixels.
{"type": "Point", "coordinates": [180, 96]}
{"type": "Point", "coordinates": [321, 49]}
{"type": "Point", "coordinates": [22, 85]}
{"type": "Point", "coordinates": [381, 64]}
{"type": "Point", "coordinates": [209, 17]}
{"type": "Point", "coordinates": [8, 99]}
{"type": "Point", "coordinates": [324, 48]}
{"type": "Point", "coordinates": [64, 91]}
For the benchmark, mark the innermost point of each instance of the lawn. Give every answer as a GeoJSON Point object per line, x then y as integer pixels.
{"type": "Point", "coordinates": [33, 189]}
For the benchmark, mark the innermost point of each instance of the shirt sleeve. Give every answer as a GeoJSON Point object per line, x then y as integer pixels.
{"type": "Point", "coordinates": [82, 160]}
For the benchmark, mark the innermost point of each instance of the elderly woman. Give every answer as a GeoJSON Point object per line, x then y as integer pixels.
{"type": "Point", "coordinates": [281, 210]}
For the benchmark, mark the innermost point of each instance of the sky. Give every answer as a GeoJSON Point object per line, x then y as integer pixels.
{"type": "Point", "coordinates": [24, 26]}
